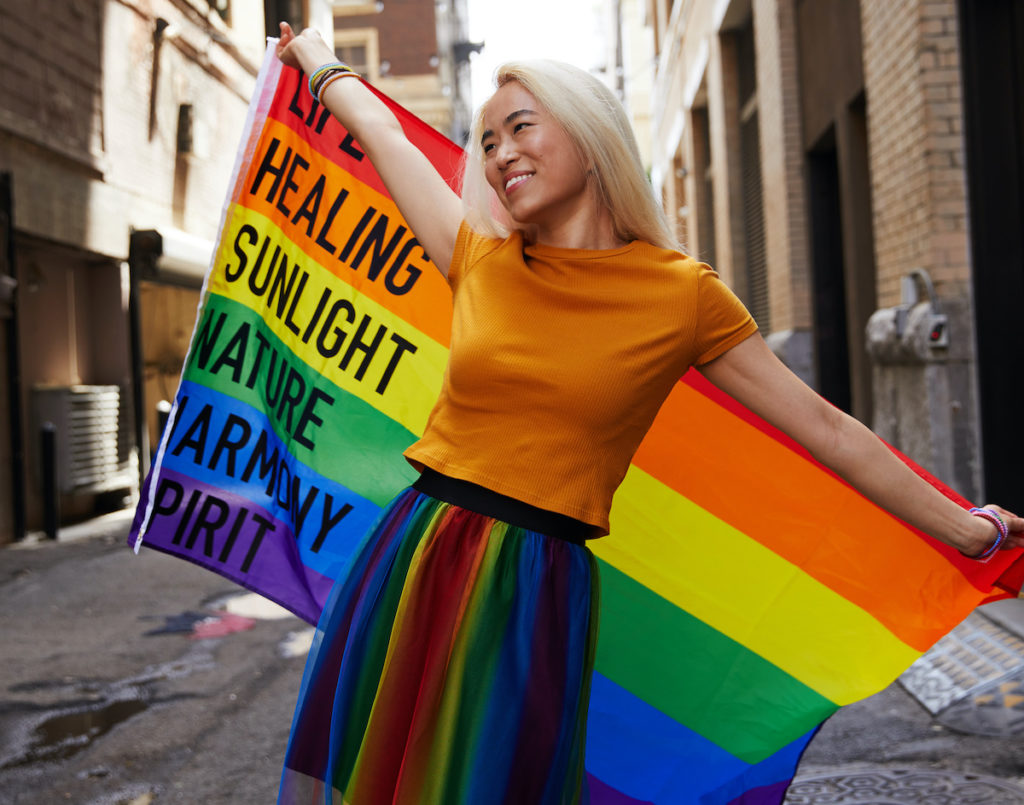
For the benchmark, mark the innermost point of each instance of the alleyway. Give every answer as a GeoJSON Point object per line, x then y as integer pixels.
{"type": "Point", "coordinates": [128, 680]}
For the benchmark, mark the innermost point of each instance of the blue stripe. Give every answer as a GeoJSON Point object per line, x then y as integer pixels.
{"type": "Point", "coordinates": [194, 461]}
{"type": "Point", "coordinates": [645, 754]}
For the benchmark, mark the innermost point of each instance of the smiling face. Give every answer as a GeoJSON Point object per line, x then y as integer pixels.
{"type": "Point", "coordinates": [531, 162]}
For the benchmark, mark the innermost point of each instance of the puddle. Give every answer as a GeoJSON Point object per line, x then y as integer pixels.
{"type": "Point", "coordinates": [222, 625]}
{"type": "Point", "coordinates": [297, 644]}
{"type": "Point", "coordinates": [60, 730]}
{"type": "Point", "coordinates": [182, 623]}
{"type": "Point", "coordinates": [197, 659]}
{"type": "Point", "coordinates": [87, 686]}
{"type": "Point", "coordinates": [227, 614]}
{"type": "Point", "coordinates": [249, 605]}
{"type": "Point", "coordinates": [61, 736]}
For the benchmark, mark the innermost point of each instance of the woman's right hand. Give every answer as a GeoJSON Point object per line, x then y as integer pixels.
{"type": "Point", "coordinates": [304, 51]}
{"type": "Point", "coordinates": [430, 207]}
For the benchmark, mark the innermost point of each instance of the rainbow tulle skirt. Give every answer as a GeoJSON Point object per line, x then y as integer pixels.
{"type": "Point", "coordinates": [452, 664]}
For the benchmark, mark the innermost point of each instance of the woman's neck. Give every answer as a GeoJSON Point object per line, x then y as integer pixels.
{"type": "Point", "coordinates": [591, 230]}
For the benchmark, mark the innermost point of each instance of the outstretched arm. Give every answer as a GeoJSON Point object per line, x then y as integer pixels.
{"type": "Point", "coordinates": [428, 204]}
{"type": "Point", "coordinates": [752, 374]}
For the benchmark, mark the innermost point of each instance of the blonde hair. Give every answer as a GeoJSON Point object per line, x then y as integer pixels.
{"type": "Point", "coordinates": [596, 122]}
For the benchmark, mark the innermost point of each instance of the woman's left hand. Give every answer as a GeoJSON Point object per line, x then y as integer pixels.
{"type": "Point", "coordinates": [1014, 524]}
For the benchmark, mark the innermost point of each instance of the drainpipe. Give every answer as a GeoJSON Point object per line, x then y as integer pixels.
{"type": "Point", "coordinates": [9, 313]}
{"type": "Point", "coordinates": [167, 256]}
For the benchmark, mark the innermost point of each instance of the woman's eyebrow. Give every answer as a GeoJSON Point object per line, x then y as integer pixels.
{"type": "Point", "coordinates": [508, 119]}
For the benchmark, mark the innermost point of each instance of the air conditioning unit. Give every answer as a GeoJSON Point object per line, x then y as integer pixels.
{"type": "Point", "coordinates": [94, 436]}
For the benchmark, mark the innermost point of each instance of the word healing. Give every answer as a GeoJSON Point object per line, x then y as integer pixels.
{"type": "Point", "coordinates": [282, 178]}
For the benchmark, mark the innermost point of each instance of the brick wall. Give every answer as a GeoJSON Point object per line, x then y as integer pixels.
{"type": "Point", "coordinates": [90, 136]}
{"type": "Point", "coordinates": [51, 62]}
{"type": "Point", "coordinates": [912, 81]}
{"type": "Point", "coordinates": [407, 31]}
{"type": "Point", "coordinates": [782, 164]}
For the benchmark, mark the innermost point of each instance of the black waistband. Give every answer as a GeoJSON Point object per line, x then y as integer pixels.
{"type": "Point", "coordinates": [501, 507]}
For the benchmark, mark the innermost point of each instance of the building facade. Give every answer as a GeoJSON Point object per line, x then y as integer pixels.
{"type": "Point", "coordinates": [415, 51]}
{"type": "Point", "coordinates": [826, 157]}
{"type": "Point", "coordinates": [119, 125]}
{"type": "Point", "coordinates": [115, 116]}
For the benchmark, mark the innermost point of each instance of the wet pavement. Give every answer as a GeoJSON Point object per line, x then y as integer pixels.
{"type": "Point", "coordinates": [130, 680]}
{"type": "Point", "coordinates": [136, 680]}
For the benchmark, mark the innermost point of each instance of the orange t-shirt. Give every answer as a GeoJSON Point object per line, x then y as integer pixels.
{"type": "Point", "coordinates": [560, 359]}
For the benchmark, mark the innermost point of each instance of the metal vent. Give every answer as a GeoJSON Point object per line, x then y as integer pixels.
{"type": "Point", "coordinates": [93, 437]}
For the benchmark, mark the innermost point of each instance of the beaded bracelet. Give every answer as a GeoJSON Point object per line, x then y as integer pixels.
{"type": "Point", "coordinates": [324, 71]}
{"type": "Point", "coordinates": [1001, 527]}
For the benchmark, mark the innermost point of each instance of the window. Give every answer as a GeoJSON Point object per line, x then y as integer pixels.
{"type": "Point", "coordinates": [358, 48]}
{"type": "Point", "coordinates": [350, 8]}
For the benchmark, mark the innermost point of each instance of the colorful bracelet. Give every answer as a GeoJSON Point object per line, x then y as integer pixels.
{"type": "Point", "coordinates": [1001, 527]}
{"type": "Point", "coordinates": [321, 73]}
{"type": "Point", "coordinates": [330, 79]}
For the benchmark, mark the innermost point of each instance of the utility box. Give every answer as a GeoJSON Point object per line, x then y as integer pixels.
{"type": "Point", "coordinates": [94, 437]}
{"type": "Point", "coordinates": [923, 380]}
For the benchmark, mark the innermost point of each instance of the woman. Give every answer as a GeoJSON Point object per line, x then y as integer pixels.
{"type": "Point", "coordinates": [453, 662]}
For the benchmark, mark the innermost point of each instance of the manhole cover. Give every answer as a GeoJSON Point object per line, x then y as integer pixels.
{"type": "Point", "coordinates": [901, 787]}
{"type": "Point", "coordinates": [975, 654]}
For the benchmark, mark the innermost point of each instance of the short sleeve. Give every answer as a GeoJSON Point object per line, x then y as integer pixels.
{"type": "Point", "coordinates": [469, 248]}
{"type": "Point", "coordinates": [722, 320]}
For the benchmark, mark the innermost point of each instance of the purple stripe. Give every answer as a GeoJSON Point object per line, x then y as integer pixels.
{"type": "Point", "coordinates": [603, 794]}
{"type": "Point", "coordinates": [764, 795]}
{"type": "Point", "coordinates": [232, 536]}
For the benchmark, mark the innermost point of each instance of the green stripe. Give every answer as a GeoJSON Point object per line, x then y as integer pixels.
{"type": "Point", "coordinates": [698, 676]}
{"type": "Point", "coordinates": [354, 434]}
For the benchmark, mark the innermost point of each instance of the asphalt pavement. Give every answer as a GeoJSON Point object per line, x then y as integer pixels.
{"type": "Point", "coordinates": [129, 680]}
{"type": "Point", "coordinates": [125, 681]}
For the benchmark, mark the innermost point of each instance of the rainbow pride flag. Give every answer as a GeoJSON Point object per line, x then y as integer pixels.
{"type": "Point", "coordinates": [747, 593]}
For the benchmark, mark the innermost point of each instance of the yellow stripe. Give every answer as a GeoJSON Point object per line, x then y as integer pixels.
{"type": "Point", "coordinates": [427, 306]}
{"type": "Point", "coordinates": [416, 379]}
{"type": "Point", "coordinates": [771, 606]}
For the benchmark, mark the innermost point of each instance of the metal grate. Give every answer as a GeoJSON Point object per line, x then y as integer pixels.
{"type": "Point", "coordinates": [971, 657]}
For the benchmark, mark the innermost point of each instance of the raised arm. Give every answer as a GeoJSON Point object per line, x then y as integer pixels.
{"type": "Point", "coordinates": [431, 208]}
{"type": "Point", "coordinates": [752, 374]}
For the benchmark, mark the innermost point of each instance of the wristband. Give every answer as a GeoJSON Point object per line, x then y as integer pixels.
{"type": "Point", "coordinates": [321, 72]}
{"type": "Point", "coordinates": [1001, 528]}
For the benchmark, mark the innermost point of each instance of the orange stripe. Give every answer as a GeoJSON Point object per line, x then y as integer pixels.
{"type": "Point", "coordinates": [714, 459]}
{"type": "Point", "coordinates": [427, 307]}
